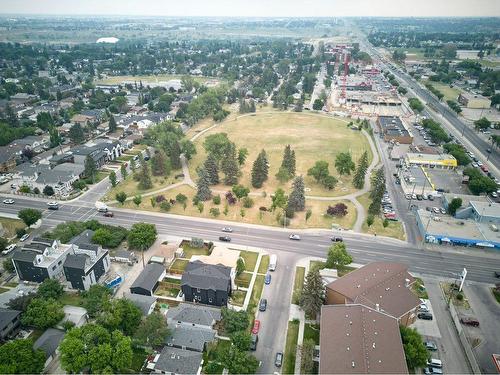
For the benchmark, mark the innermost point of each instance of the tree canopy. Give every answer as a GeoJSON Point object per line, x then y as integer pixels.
{"type": "Point", "coordinates": [142, 236]}
{"type": "Point", "coordinates": [19, 357]}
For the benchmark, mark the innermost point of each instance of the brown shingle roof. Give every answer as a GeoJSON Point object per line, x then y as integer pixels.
{"type": "Point", "coordinates": [356, 339]}
{"type": "Point", "coordinates": [379, 283]}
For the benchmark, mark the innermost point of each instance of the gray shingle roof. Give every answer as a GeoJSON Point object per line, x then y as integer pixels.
{"type": "Point", "coordinates": [49, 341]}
{"type": "Point", "coordinates": [193, 338]}
{"type": "Point", "coordinates": [178, 361]}
{"type": "Point", "coordinates": [141, 301]}
{"type": "Point", "coordinates": [149, 276]}
{"type": "Point", "coordinates": [194, 314]}
{"type": "Point", "coordinates": [24, 255]}
{"type": "Point", "coordinates": [7, 316]}
{"type": "Point", "coordinates": [76, 261]}
{"type": "Point", "coordinates": [206, 276]}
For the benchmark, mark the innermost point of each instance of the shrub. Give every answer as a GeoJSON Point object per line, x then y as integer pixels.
{"type": "Point", "coordinates": [165, 206]}
{"type": "Point", "coordinates": [79, 185]}
{"type": "Point", "coordinates": [36, 191]}
{"type": "Point", "coordinates": [196, 242]}
{"type": "Point", "coordinates": [339, 210]}
{"type": "Point", "coordinates": [262, 208]}
{"type": "Point", "coordinates": [216, 199]}
{"type": "Point", "coordinates": [159, 198]}
{"type": "Point", "coordinates": [247, 202]}
{"type": "Point", "coordinates": [230, 198]}
{"type": "Point", "coordinates": [214, 212]}
{"type": "Point", "coordinates": [25, 189]}
{"type": "Point", "coordinates": [20, 232]}
{"type": "Point", "coordinates": [460, 296]}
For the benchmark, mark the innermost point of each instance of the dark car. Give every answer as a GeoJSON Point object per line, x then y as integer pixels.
{"type": "Point", "coordinates": [253, 343]}
{"type": "Point", "coordinates": [267, 279]}
{"type": "Point", "coordinates": [109, 214]}
{"type": "Point", "coordinates": [430, 345]}
{"type": "Point", "coordinates": [279, 359]}
{"type": "Point", "coordinates": [497, 274]}
{"type": "Point", "coordinates": [225, 238]}
{"type": "Point", "coordinates": [337, 239]}
{"type": "Point", "coordinates": [263, 304]}
{"type": "Point", "coordinates": [424, 315]}
{"type": "Point", "coordinates": [469, 321]}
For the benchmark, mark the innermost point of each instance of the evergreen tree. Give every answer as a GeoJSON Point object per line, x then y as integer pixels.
{"type": "Point", "coordinates": [297, 199]}
{"type": "Point", "coordinates": [76, 134]}
{"type": "Point", "coordinates": [289, 160]}
{"type": "Point", "coordinates": [230, 167]}
{"type": "Point", "coordinates": [212, 170]}
{"type": "Point", "coordinates": [260, 170]}
{"type": "Point", "coordinates": [123, 171]}
{"type": "Point", "coordinates": [112, 124]}
{"type": "Point", "coordinates": [203, 193]}
{"type": "Point", "coordinates": [55, 137]}
{"type": "Point", "coordinates": [159, 165]}
{"type": "Point", "coordinates": [313, 293]}
{"type": "Point", "coordinates": [90, 168]}
{"type": "Point", "coordinates": [175, 156]}
{"type": "Point", "coordinates": [145, 177]}
{"type": "Point", "coordinates": [359, 177]}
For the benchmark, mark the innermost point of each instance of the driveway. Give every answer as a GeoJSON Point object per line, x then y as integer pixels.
{"type": "Point", "coordinates": [487, 311]}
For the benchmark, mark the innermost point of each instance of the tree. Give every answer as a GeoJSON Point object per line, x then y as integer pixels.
{"type": "Point", "coordinates": [230, 167]}
{"type": "Point", "coordinates": [55, 137]}
{"type": "Point", "coordinates": [3, 244]}
{"type": "Point", "coordinates": [237, 361]}
{"type": "Point", "coordinates": [338, 257]}
{"type": "Point", "coordinates": [19, 357]}
{"type": "Point", "coordinates": [50, 288]}
{"type": "Point", "coordinates": [29, 216]}
{"type": "Point", "coordinates": [137, 200]}
{"type": "Point", "coordinates": [112, 178]}
{"type": "Point", "coordinates": [121, 197]}
{"type": "Point", "coordinates": [283, 175]}
{"type": "Point", "coordinates": [121, 314]}
{"type": "Point", "coordinates": [297, 199]}
{"type": "Point", "coordinates": [48, 190]}
{"type": "Point", "coordinates": [370, 220]}
{"type": "Point", "coordinates": [76, 134]}
{"type": "Point", "coordinates": [339, 210]}
{"type": "Point", "coordinates": [43, 313]}
{"type": "Point", "coordinates": [234, 320]}
{"type": "Point", "coordinates": [344, 163]}
{"type": "Point", "coordinates": [399, 55]}
{"type": "Point", "coordinates": [318, 105]}
{"type": "Point", "coordinates": [188, 148]}
{"type": "Point", "coordinates": [242, 155]}
{"type": "Point", "coordinates": [218, 145]}
{"type": "Point", "coordinates": [260, 170]}
{"type": "Point", "coordinates": [449, 51]}
{"type": "Point", "coordinates": [454, 205]}
{"type": "Point", "coordinates": [482, 124]}
{"type": "Point", "coordinates": [385, 223]}
{"type": "Point", "coordinates": [416, 105]}
{"type": "Point", "coordinates": [96, 299]}
{"type": "Point", "coordinates": [182, 199]}
{"type": "Point", "coordinates": [90, 168]}
{"type": "Point", "coordinates": [123, 171]}
{"type": "Point", "coordinates": [214, 211]}
{"type": "Point", "coordinates": [240, 266]}
{"type": "Point", "coordinates": [313, 293]}
{"type": "Point", "coordinates": [152, 330]}
{"type": "Point", "coordinates": [142, 236]}
{"type": "Point", "coordinates": [308, 214]}
{"type": "Point", "coordinates": [25, 189]}
{"type": "Point", "coordinates": [279, 199]}
{"type": "Point", "coordinates": [289, 161]}
{"type": "Point", "coordinates": [175, 156]}
{"type": "Point", "coordinates": [306, 356]}
{"type": "Point", "coordinates": [212, 170]}
{"type": "Point", "coordinates": [102, 236]}
{"type": "Point", "coordinates": [241, 340]}
{"type": "Point", "coordinates": [319, 171]}
{"type": "Point", "coordinates": [415, 352]}
{"type": "Point", "coordinates": [112, 124]}
{"type": "Point", "coordinates": [240, 191]}
{"type": "Point", "coordinates": [359, 176]}
{"type": "Point", "coordinates": [203, 189]}
{"type": "Point", "coordinates": [145, 177]}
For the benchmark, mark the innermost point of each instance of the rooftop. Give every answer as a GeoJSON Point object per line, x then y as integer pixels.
{"type": "Point", "coordinates": [490, 209]}
{"type": "Point", "coordinates": [194, 314]}
{"type": "Point", "coordinates": [49, 341]}
{"type": "Point", "coordinates": [206, 276]}
{"type": "Point", "coordinates": [7, 316]}
{"type": "Point", "coordinates": [149, 276]}
{"type": "Point", "coordinates": [178, 361]}
{"type": "Point", "coordinates": [194, 338]}
{"type": "Point", "coordinates": [141, 301]}
{"type": "Point", "coordinates": [355, 339]}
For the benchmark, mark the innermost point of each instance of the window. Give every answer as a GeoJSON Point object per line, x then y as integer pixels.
{"type": "Point", "coordinates": [210, 300]}
{"type": "Point", "coordinates": [60, 262]}
{"type": "Point", "coordinates": [54, 267]}
{"type": "Point", "coordinates": [198, 290]}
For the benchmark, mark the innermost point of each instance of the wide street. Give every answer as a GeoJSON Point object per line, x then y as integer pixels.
{"type": "Point", "coordinates": [364, 248]}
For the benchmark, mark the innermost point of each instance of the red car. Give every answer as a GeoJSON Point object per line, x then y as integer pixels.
{"type": "Point", "coordinates": [109, 214]}
{"type": "Point", "coordinates": [256, 327]}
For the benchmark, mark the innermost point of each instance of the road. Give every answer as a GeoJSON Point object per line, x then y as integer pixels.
{"type": "Point", "coordinates": [364, 248]}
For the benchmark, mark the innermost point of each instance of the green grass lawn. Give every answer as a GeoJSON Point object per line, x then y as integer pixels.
{"type": "Point", "coordinates": [73, 299]}
{"type": "Point", "coordinates": [124, 157]}
{"type": "Point", "coordinates": [264, 264]}
{"type": "Point", "coordinates": [179, 265]}
{"type": "Point", "coordinates": [167, 292]}
{"type": "Point", "coordinates": [11, 284]}
{"type": "Point", "coordinates": [189, 251]}
{"type": "Point", "coordinates": [496, 294]}
{"type": "Point", "coordinates": [419, 288]}
{"type": "Point", "coordinates": [298, 284]}
{"type": "Point", "coordinates": [250, 258]}
{"type": "Point", "coordinates": [238, 297]}
{"type": "Point", "coordinates": [3, 290]}
{"type": "Point", "coordinates": [450, 93]}
{"type": "Point", "coordinates": [292, 336]}
{"type": "Point", "coordinates": [311, 331]}
{"type": "Point", "coordinates": [321, 265]}
{"type": "Point", "coordinates": [243, 280]}
{"type": "Point", "coordinates": [10, 226]}
{"type": "Point", "coordinates": [255, 297]}
{"type": "Point", "coordinates": [172, 280]}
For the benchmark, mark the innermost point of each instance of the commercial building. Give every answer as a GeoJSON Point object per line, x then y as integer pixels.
{"type": "Point", "coordinates": [431, 160]}
{"type": "Point", "coordinates": [392, 129]}
{"type": "Point", "coordinates": [474, 101]}
{"type": "Point", "coordinates": [382, 286]}
{"type": "Point", "coordinates": [356, 339]}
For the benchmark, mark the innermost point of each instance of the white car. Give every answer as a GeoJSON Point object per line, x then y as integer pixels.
{"type": "Point", "coordinates": [25, 237]}
{"type": "Point", "coordinates": [9, 248]}
{"type": "Point", "coordinates": [8, 201]}
{"type": "Point", "coordinates": [295, 237]}
{"type": "Point", "coordinates": [494, 195]}
{"type": "Point", "coordinates": [227, 230]}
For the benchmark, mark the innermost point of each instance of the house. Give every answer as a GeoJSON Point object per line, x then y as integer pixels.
{"type": "Point", "coordinates": [221, 255]}
{"type": "Point", "coordinates": [356, 339]}
{"type": "Point", "coordinates": [147, 304]}
{"type": "Point", "coordinates": [112, 149]}
{"type": "Point", "coordinates": [87, 263]}
{"type": "Point", "coordinates": [193, 315]}
{"type": "Point", "coordinates": [206, 283]}
{"type": "Point", "coordinates": [22, 98]}
{"type": "Point", "coordinates": [475, 101]}
{"type": "Point", "coordinates": [36, 143]}
{"type": "Point", "coordinates": [10, 320]}
{"type": "Point", "coordinates": [40, 260]}
{"type": "Point", "coordinates": [148, 280]}
{"type": "Point", "coordinates": [124, 256]}
{"type": "Point", "coordinates": [8, 158]}
{"type": "Point", "coordinates": [176, 361]}
{"type": "Point", "coordinates": [190, 338]}
{"type": "Point", "coordinates": [82, 120]}
{"type": "Point", "coordinates": [49, 342]}
{"type": "Point", "coordinates": [81, 152]}
{"type": "Point", "coordinates": [382, 286]}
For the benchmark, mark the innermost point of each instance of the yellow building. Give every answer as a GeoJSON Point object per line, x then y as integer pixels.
{"type": "Point", "coordinates": [431, 160]}
{"type": "Point", "coordinates": [474, 101]}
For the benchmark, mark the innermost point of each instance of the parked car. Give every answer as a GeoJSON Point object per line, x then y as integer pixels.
{"type": "Point", "coordinates": [442, 210]}
{"type": "Point", "coordinates": [267, 279]}
{"type": "Point", "coordinates": [469, 321]}
{"type": "Point", "coordinates": [8, 201]}
{"type": "Point", "coordinates": [279, 359]}
{"type": "Point", "coordinates": [432, 370]}
{"type": "Point", "coordinates": [337, 239]}
{"type": "Point", "coordinates": [109, 214]}
{"type": "Point", "coordinates": [227, 229]}
{"type": "Point", "coordinates": [436, 210]}
{"type": "Point", "coordinates": [9, 249]}
{"type": "Point", "coordinates": [430, 345]}
{"type": "Point", "coordinates": [423, 308]}
{"type": "Point", "coordinates": [433, 362]}
{"type": "Point", "coordinates": [263, 304]}
{"type": "Point", "coordinates": [253, 343]}
{"type": "Point", "coordinates": [256, 326]}
{"type": "Point", "coordinates": [225, 238]}
{"type": "Point", "coordinates": [295, 237]}
{"type": "Point", "coordinates": [419, 197]}
{"type": "Point", "coordinates": [430, 197]}
{"type": "Point", "coordinates": [25, 237]}
{"type": "Point", "coordinates": [424, 315]}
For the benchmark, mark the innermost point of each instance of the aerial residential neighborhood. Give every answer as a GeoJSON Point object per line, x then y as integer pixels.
{"type": "Point", "coordinates": [214, 188]}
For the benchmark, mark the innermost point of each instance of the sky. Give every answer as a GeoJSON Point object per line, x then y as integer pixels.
{"type": "Point", "coordinates": [257, 8]}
